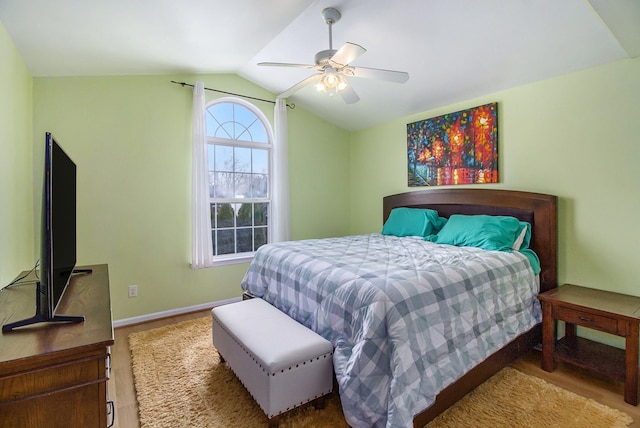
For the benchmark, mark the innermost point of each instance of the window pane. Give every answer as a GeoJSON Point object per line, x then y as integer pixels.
{"type": "Point", "coordinates": [212, 186]}
{"type": "Point", "coordinates": [223, 112]}
{"type": "Point", "coordinates": [225, 130]}
{"type": "Point", "coordinates": [242, 133]}
{"type": "Point", "coordinates": [212, 121]}
{"type": "Point", "coordinates": [259, 132]}
{"type": "Point", "coordinates": [260, 161]}
{"type": "Point", "coordinates": [243, 185]}
{"type": "Point", "coordinates": [245, 215]}
{"type": "Point", "coordinates": [242, 114]}
{"type": "Point", "coordinates": [260, 237]}
{"type": "Point", "coordinates": [260, 214]}
{"type": "Point", "coordinates": [210, 156]}
{"type": "Point", "coordinates": [259, 186]}
{"type": "Point", "coordinates": [223, 184]}
{"type": "Point", "coordinates": [226, 241]}
{"type": "Point", "coordinates": [225, 216]}
{"type": "Point", "coordinates": [223, 158]}
{"type": "Point", "coordinates": [245, 242]}
{"type": "Point", "coordinates": [243, 160]}
{"type": "Point", "coordinates": [244, 118]}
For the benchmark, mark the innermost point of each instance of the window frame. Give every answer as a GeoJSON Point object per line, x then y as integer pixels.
{"type": "Point", "coordinates": [234, 258]}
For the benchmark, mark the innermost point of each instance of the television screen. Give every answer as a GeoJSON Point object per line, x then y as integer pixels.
{"type": "Point", "coordinates": [58, 241]}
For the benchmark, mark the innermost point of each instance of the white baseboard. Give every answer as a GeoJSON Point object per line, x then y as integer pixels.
{"type": "Point", "coordinates": [172, 312]}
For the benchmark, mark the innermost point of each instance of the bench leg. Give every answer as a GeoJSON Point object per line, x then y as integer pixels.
{"type": "Point", "coordinates": [319, 403]}
{"type": "Point", "coordinates": [274, 421]}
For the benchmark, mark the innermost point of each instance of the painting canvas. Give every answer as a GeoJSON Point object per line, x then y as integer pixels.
{"type": "Point", "coordinates": [456, 148]}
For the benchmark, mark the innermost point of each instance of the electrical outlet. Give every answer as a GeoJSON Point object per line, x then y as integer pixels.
{"type": "Point", "coordinates": [133, 291]}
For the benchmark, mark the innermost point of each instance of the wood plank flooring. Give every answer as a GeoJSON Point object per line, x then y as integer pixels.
{"type": "Point", "coordinates": [121, 388]}
{"type": "Point", "coordinates": [122, 392]}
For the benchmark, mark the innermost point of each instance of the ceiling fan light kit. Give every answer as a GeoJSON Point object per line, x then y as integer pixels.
{"type": "Point", "coordinates": [333, 67]}
{"type": "Point", "coordinates": [331, 82]}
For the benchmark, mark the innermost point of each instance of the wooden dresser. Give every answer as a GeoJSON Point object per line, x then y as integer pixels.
{"type": "Point", "coordinates": [55, 375]}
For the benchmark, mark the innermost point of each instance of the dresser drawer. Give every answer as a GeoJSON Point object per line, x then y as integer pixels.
{"type": "Point", "coordinates": [586, 319]}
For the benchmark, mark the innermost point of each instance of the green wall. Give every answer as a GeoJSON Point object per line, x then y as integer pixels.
{"type": "Point", "coordinates": [130, 137]}
{"type": "Point", "coordinates": [319, 177]}
{"type": "Point", "coordinates": [576, 136]}
{"type": "Point", "coordinates": [16, 163]}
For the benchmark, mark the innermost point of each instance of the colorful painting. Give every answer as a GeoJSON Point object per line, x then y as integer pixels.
{"type": "Point", "coordinates": [456, 148]}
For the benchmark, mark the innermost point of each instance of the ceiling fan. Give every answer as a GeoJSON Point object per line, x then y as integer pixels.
{"type": "Point", "coordinates": [334, 67]}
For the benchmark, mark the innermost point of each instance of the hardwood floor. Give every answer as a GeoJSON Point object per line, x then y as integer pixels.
{"type": "Point", "coordinates": [587, 384]}
{"type": "Point", "coordinates": [582, 382]}
{"type": "Point", "coordinates": [120, 386]}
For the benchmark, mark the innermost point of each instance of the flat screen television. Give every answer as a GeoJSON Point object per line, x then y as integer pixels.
{"type": "Point", "coordinates": [58, 236]}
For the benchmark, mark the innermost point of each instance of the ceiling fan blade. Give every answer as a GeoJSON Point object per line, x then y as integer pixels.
{"type": "Point", "coordinates": [349, 95]}
{"type": "Point", "coordinates": [308, 81]}
{"type": "Point", "coordinates": [378, 73]}
{"type": "Point", "coordinates": [347, 53]}
{"type": "Point", "coordinates": [286, 64]}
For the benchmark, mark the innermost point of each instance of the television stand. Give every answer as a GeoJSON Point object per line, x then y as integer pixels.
{"type": "Point", "coordinates": [39, 318]}
{"type": "Point", "coordinates": [57, 377]}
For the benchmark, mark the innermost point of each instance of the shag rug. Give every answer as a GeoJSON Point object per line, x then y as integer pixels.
{"type": "Point", "coordinates": [180, 381]}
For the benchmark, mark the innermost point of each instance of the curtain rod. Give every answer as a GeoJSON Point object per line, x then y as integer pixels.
{"type": "Point", "coordinates": [291, 106]}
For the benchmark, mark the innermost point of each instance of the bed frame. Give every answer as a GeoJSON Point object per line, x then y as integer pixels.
{"type": "Point", "coordinates": [540, 211]}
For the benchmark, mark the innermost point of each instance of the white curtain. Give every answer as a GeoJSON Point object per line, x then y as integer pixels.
{"type": "Point", "coordinates": [280, 202]}
{"type": "Point", "coordinates": [201, 249]}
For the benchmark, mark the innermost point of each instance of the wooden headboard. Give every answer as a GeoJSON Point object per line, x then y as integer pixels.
{"type": "Point", "coordinates": [538, 209]}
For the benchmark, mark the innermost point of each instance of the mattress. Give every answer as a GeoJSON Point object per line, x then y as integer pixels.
{"type": "Point", "coordinates": [406, 317]}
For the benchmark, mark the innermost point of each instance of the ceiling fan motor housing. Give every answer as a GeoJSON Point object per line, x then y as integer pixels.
{"type": "Point", "coordinates": [323, 57]}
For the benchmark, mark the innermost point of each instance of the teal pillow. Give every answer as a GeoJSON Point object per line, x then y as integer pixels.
{"type": "Point", "coordinates": [496, 233]}
{"type": "Point", "coordinates": [412, 222]}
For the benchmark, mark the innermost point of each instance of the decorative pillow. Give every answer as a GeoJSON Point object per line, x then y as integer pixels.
{"type": "Point", "coordinates": [413, 222]}
{"type": "Point", "coordinates": [483, 231]}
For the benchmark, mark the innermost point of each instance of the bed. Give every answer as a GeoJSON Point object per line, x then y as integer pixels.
{"type": "Point", "coordinates": [388, 373]}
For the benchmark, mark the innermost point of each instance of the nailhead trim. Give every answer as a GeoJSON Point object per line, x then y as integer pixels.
{"type": "Point", "coordinates": [251, 354]}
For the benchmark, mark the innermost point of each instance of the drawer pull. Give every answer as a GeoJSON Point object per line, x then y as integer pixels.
{"type": "Point", "coordinates": [581, 318]}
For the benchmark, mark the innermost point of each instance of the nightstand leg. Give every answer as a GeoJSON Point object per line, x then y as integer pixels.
{"type": "Point", "coordinates": [570, 335]}
{"type": "Point", "coordinates": [548, 337]}
{"type": "Point", "coordinates": [631, 367]}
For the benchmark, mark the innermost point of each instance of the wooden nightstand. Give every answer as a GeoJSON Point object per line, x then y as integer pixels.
{"type": "Point", "coordinates": [605, 311]}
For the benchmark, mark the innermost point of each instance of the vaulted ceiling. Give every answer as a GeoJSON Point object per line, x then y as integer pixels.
{"type": "Point", "coordinates": [452, 49]}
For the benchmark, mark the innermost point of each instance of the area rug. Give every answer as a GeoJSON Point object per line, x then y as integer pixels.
{"type": "Point", "coordinates": [180, 381]}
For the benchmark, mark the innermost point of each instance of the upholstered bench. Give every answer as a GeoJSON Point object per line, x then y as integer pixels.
{"type": "Point", "coordinates": [282, 363]}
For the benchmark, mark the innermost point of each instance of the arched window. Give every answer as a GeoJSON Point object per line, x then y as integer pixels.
{"type": "Point", "coordinates": [239, 142]}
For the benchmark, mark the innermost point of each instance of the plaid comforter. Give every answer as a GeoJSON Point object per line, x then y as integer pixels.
{"type": "Point", "coordinates": [406, 317]}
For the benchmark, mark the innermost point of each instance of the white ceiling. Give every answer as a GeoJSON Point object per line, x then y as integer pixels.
{"type": "Point", "coordinates": [452, 49]}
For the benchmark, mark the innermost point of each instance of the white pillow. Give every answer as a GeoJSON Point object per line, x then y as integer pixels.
{"type": "Point", "coordinates": [520, 239]}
